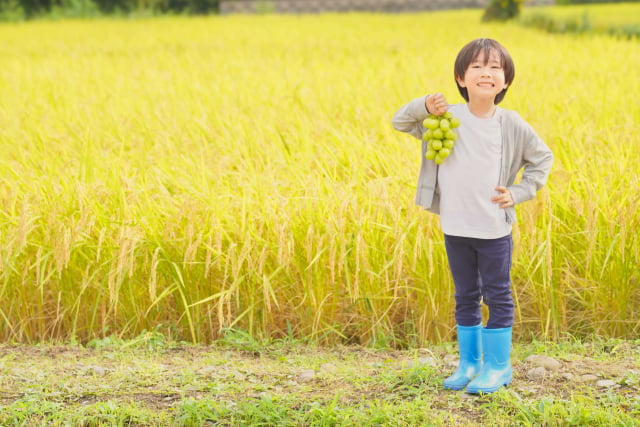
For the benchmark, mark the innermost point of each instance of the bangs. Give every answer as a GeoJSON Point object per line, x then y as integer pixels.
{"type": "Point", "coordinates": [477, 49]}
{"type": "Point", "coordinates": [485, 52]}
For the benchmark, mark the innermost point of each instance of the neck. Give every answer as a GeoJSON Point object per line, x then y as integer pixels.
{"type": "Point", "coordinates": [483, 109]}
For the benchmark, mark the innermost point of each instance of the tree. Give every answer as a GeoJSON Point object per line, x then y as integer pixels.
{"type": "Point", "coordinates": [502, 10]}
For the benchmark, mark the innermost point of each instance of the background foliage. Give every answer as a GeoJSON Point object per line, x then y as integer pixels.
{"type": "Point", "coordinates": [502, 10]}
{"type": "Point", "coordinates": [16, 10]}
{"type": "Point", "coordinates": [28, 9]}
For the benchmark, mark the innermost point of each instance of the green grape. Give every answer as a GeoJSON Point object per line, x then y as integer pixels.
{"type": "Point", "coordinates": [430, 154]}
{"type": "Point", "coordinates": [440, 136]}
{"type": "Point", "coordinates": [450, 135]}
{"type": "Point", "coordinates": [430, 123]}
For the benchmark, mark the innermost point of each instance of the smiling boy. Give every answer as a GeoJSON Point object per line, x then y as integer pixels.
{"type": "Point", "coordinates": [474, 193]}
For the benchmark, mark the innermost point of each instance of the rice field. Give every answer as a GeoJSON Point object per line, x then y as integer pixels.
{"type": "Point", "coordinates": [193, 175]}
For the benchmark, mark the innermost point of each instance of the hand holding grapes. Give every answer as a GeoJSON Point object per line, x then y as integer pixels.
{"type": "Point", "coordinates": [436, 104]}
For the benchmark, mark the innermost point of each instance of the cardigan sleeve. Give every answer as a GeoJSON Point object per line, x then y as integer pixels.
{"type": "Point", "coordinates": [537, 159]}
{"type": "Point", "coordinates": [409, 117]}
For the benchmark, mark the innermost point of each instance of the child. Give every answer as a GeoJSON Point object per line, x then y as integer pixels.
{"type": "Point", "coordinates": [474, 193]}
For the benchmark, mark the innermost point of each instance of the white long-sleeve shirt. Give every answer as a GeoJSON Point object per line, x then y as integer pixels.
{"type": "Point", "coordinates": [468, 177]}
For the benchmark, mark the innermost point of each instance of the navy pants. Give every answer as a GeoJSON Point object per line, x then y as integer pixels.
{"type": "Point", "coordinates": [481, 273]}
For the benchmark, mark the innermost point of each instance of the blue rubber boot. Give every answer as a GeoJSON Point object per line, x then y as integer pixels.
{"type": "Point", "coordinates": [496, 370]}
{"type": "Point", "coordinates": [470, 349]}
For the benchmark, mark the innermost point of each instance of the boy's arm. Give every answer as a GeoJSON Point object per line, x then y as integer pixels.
{"type": "Point", "coordinates": [538, 159]}
{"type": "Point", "coordinates": [409, 118]}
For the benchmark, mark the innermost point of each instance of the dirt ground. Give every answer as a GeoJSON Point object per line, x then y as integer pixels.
{"type": "Point", "coordinates": [160, 378]}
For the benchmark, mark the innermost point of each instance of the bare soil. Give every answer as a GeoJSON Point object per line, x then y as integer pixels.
{"type": "Point", "coordinates": [159, 379]}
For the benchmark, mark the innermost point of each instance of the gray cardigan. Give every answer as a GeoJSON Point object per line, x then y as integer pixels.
{"type": "Point", "coordinates": [521, 147]}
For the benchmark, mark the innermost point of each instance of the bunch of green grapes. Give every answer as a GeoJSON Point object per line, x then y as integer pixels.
{"type": "Point", "coordinates": [440, 136]}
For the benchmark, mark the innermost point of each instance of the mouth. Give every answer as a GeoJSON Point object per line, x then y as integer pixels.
{"type": "Point", "coordinates": [485, 84]}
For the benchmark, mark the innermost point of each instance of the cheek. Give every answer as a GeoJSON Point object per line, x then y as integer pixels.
{"type": "Point", "coordinates": [499, 79]}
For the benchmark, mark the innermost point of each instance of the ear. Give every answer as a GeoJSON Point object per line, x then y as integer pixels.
{"type": "Point", "coordinates": [460, 81]}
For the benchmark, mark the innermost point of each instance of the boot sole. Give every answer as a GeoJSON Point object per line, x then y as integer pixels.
{"type": "Point", "coordinates": [488, 390]}
{"type": "Point", "coordinates": [454, 387]}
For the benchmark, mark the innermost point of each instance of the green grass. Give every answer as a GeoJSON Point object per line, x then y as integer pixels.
{"type": "Point", "coordinates": [132, 383]}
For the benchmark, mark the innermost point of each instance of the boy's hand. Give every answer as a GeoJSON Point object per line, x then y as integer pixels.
{"type": "Point", "coordinates": [436, 104]}
{"type": "Point", "coordinates": [505, 199]}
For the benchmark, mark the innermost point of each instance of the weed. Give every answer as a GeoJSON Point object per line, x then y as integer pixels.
{"type": "Point", "coordinates": [196, 413]}
{"type": "Point", "coordinates": [27, 409]}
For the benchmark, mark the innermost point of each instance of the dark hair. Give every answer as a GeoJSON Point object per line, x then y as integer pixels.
{"type": "Point", "coordinates": [471, 51]}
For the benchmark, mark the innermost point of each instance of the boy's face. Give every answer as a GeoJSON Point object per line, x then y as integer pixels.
{"type": "Point", "coordinates": [484, 78]}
